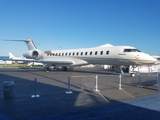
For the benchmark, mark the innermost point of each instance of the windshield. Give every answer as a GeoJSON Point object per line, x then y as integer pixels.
{"type": "Point", "coordinates": [131, 50]}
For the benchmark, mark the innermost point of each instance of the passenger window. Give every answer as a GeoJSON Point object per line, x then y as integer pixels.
{"type": "Point", "coordinates": [73, 54]}
{"type": "Point", "coordinates": [90, 53]}
{"type": "Point", "coordinates": [86, 53]}
{"type": "Point", "coordinates": [66, 54]}
{"type": "Point", "coordinates": [107, 52]}
{"type": "Point", "coordinates": [77, 53]}
{"type": "Point", "coordinates": [81, 53]}
{"type": "Point", "coordinates": [69, 54]}
{"type": "Point", "coordinates": [96, 53]}
{"type": "Point", "coordinates": [59, 54]}
{"type": "Point", "coordinates": [101, 52]}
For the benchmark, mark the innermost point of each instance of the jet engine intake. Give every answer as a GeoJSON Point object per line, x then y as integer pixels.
{"type": "Point", "coordinates": [33, 54]}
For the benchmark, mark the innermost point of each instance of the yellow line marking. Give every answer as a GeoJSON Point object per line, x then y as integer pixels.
{"type": "Point", "coordinates": [103, 97]}
{"type": "Point", "coordinates": [129, 94]}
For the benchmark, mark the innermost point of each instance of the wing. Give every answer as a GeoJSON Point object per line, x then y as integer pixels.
{"type": "Point", "coordinates": [56, 61]}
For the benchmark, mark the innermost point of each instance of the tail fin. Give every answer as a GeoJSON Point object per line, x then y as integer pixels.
{"type": "Point", "coordinates": [11, 56]}
{"type": "Point", "coordinates": [29, 43]}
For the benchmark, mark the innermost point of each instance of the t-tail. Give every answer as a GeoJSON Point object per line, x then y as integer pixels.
{"type": "Point", "coordinates": [29, 42]}
{"type": "Point", "coordinates": [33, 52]}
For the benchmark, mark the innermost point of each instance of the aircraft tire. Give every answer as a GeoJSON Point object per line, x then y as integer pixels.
{"type": "Point", "coordinates": [47, 69]}
{"type": "Point", "coordinates": [133, 75]}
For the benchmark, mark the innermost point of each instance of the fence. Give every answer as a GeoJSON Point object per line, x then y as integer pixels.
{"type": "Point", "coordinates": [110, 82]}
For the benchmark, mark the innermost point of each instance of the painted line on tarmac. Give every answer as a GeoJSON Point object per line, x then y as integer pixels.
{"type": "Point", "coordinates": [103, 97]}
{"type": "Point", "coordinates": [129, 94]}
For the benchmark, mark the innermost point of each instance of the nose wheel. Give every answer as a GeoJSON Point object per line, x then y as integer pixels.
{"type": "Point", "coordinates": [133, 75]}
{"type": "Point", "coordinates": [132, 72]}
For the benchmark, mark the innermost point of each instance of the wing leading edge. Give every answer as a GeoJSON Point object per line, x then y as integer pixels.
{"type": "Point", "coordinates": [56, 61]}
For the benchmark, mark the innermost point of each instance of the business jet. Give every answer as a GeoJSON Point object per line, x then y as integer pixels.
{"type": "Point", "coordinates": [105, 54]}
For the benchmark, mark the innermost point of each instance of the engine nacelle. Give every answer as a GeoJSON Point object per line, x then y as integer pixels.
{"type": "Point", "coordinates": [33, 54]}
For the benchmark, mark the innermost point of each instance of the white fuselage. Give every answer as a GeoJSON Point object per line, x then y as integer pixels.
{"type": "Point", "coordinates": [106, 54]}
{"type": "Point", "coordinates": [111, 55]}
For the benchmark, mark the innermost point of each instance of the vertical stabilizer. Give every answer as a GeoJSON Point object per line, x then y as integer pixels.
{"type": "Point", "coordinates": [11, 56]}
{"type": "Point", "coordinates": [30, 44]}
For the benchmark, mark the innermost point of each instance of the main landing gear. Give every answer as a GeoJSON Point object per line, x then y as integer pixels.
{"type": "Point", "coordinates": [47, 69]}
{"type": "Point", "coordinates": [64, 68]}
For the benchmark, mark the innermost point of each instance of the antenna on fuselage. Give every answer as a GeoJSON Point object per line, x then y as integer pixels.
{"type": "Point", "coordinates": [106, 45]}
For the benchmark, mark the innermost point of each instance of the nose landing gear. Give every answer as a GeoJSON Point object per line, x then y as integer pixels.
{"type": "Point", "coordinates": [132, 72]}
{"type": "Point", "coordinates": [133, 75]}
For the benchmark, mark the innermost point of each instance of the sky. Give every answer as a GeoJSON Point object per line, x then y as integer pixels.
{"type": "Point", "coordinates": [70, 24]}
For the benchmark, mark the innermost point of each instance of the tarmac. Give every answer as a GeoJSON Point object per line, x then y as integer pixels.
{"type": "Point", "coordinates": [108, 100]}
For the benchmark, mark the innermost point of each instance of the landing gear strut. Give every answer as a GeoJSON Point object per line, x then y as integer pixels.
{"type": "Point", "coordinates": [132, 71]}
{"type": "Point", "coordinates": [47, 69]}
{"type": "Point", "coordinates": [64, 68]}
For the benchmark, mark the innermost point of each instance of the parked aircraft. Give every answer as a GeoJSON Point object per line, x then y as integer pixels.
{"type": "Point", "coordinates": [105, 54]}
{"type": "Point", "coordinates": [11, 56]}
{"type": "Point", "coordinates": [31, 64]}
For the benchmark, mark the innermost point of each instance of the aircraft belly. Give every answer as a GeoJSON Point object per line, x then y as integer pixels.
{"type": "Point", "coordinates": [72, 61]}
{"type": "Point", "coordinates": [110, 61]}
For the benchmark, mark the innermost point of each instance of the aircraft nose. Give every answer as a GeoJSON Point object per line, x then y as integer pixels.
{"type": "Point", "coordinates": [155, 60]}
{"type": "Point", "coordinates": [152, 59]}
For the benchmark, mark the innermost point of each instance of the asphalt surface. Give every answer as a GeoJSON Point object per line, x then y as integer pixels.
{"type": "Point", "coordinates": [131, 102]}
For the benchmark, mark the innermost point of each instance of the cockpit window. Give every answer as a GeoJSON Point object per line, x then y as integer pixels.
{"type": "Point", "coordinates": [131, 50]}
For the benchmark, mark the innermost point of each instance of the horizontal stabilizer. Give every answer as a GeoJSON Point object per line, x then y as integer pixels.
{"type": "Point", "coordinates": [16, 40]}
{"type": "Point", "coordinates": [29, 43]}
